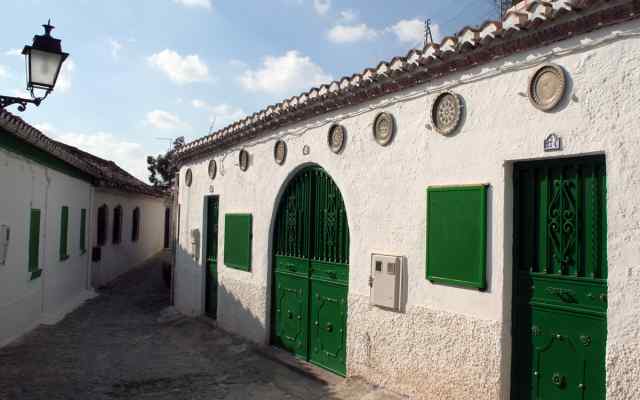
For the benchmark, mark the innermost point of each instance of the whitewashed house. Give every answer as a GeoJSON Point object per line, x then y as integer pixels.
{"type": "Point", "coordinates": [48, 223]}
{"type": "Point", "coordinates": [457, 223]}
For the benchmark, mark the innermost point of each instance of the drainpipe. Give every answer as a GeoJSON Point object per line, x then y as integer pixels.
{"type": "Point", "coordinates": [89, 236]}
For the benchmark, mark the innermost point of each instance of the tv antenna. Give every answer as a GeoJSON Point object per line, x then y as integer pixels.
{"type": "Point", "coordinates": [428, 36]}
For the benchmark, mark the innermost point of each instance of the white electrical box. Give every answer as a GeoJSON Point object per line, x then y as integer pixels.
{"type": "Point", "coordinates": [5, 235]}
{"type": "Point", "coordinates": [195, 244]}
{"type": "Point", "coordinates": [386, 280]}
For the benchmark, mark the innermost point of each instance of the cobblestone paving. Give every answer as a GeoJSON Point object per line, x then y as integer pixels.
{"type": "Point", "coordinates": [122, 345]}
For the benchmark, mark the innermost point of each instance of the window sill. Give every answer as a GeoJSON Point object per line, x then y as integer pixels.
{"type": "Point", "coordinates": [35, 274]}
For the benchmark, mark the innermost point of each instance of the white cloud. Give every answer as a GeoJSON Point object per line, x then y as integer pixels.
{"type": "Point", "coordinates": [63, 85]}
{"type": "Point", "coordinates": [284, 75]}
{"type": "Point", "coordinates": [115, 46]}
{"type": "Point", "coordinates": [413, 31]}
{"type": "Point", "coordinates": [322, 6]}
{"type": "Point", "coordinates": [105, 145]}
{"type": "Point", "coordinates": [195, 3]}
{"type": "Point", "coordinates": [180, 69]}
{"type": "Point", "coordinates": [164, 120]}
{"type": "Point", "coordinates": [347, 16]}
{"type": "Point", "coordinates": [3, 72]}
{"type": "Point", "coordinates": [351, 33]}
{"type": "Point", "coordinates": [219, 114]}
{"type": "Point", "coordinates": [13, 52]}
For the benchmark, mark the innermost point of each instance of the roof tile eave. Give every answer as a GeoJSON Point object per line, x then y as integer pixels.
{"type": "Point", "coordinates": [514, 25]}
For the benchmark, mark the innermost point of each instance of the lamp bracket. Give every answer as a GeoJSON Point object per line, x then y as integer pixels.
{"type": "Point", "coordinates": [6, 101]}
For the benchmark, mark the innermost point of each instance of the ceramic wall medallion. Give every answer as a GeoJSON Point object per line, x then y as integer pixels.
{"type": "Point", "coordinates": [280, 152]}
{"type": "Point", "coordinates": [547, 87]}
{"type": "Point", "coordinates": [188, 177]}
{"type": "Point", "coordinates": [213, 169]}
{"type": "Point", "coordinates": [384, 128]}
{"type": "Point", "coordinates": [243, 160]}
{"type": "Point", "coordinates": [446, 113]}
{"type": "Point", "coordinates": [337, 137]}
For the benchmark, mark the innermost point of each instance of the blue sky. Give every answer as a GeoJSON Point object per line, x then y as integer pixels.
{"type": "Point", "coordinates": [146, 69]}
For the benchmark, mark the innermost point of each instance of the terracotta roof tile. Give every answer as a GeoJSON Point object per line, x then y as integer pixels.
{"type": "Point", "coordinates": [105, 173]}
{"type": "Point", "coordinates": [517, 31]}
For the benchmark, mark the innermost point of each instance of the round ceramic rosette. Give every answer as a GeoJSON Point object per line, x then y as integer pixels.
{"type": "Point", "coordinates": [384, 128]}
{"type": "Point", "coordinates": [446, 113]}
{"type": "Point", "coordinates": [547, 87]}
{"type": "Point", "coordinates": [337, 138]}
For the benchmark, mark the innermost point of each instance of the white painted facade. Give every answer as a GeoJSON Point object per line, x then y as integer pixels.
{"type": "Point", "coordinates": [64, 284]}
{"type": "Point", "coordinates": [118, 258]}
{"type": "Point", "coordinates": [450, 343]}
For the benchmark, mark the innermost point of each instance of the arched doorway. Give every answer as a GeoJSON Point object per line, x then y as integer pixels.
{"type": "Point", "coordinates": [311, 271]}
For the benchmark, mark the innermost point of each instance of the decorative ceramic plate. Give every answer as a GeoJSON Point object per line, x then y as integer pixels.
{"type": "Point", "coordinates": [280, 152]}
{"type": "Point", "coordinates": [243, 159]}
{"type": "Point", "coordinates": [188, 177]}
{"type": "Point", "coordinates": [213, 169]}
{"type": "Point", "coordinates": [336, 138]}
{"type": "Point", "coordinates": [384, 128]}
{"type": "Point", "coordinates": [446, 113]}
{"type": "Point", "coordinates": [547, 87]}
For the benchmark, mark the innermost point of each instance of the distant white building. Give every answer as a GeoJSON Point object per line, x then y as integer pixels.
{"type": "Point", "coordinates": [49, 226]}
{"type": "Point", "coordinates": [457, 223]}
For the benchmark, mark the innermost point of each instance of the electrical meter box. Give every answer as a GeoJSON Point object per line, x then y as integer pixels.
{"type": "Point", "coordinates": [386, 280]}
{"type": "Point", "coordinates": [4, 243]}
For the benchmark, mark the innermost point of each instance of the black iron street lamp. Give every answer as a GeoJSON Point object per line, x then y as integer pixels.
{"type": "Point", "coordinates": [44, 59]}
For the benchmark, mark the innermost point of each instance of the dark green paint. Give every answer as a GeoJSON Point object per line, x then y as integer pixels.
{"type": "Point", "coordinates": [237, 241]}
{"type": "Point", "coordinates": [457, 236]}
{"type": "Point", "coordinates": [83, 231]}
{"type": "Point", "coordinates": [64, 233]}
{"type": "Point", "coordinates": [135, 225]}
{"type": "Point", "coordinates": [11, 143]}
{"type": "Point", "coordinates": [34, 244]}
{"type": "Point", "coordinates": [560, 280]}
{"type": "Point", "coordinates": [311, 271]}
{"type": "Point", "coordinates": [211, 256]}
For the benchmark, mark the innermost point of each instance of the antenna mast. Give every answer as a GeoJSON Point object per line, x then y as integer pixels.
{"type": "Point", "coordinates": [428, 36]}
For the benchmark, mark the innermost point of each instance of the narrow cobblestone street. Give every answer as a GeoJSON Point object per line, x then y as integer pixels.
{"type": "Point", "coordinates": [122, 345]}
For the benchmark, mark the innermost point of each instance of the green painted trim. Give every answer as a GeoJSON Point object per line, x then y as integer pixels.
{"type": "Point", "coordinates": [35, 274]}
{"type": "Point", "coordinates": [481, 273]}
{"type": "Point", "coordinates": [34, 240]}
{"type": "Point", "coordinates": [83, 230]}
{"type": "Point", "coordinates": [10, 142]}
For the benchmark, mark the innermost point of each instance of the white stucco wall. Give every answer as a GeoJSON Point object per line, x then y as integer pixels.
{"type": "Point", "coordinates": [25, 303]}
{"type": "Point", "coordinates": [451, 343]}
{"type": "Point", "coordinates": [118, 258]}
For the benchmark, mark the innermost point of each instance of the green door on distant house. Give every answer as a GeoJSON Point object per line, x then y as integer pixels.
{"type": "Point", "coordinates": [311, 271]}
{"type": "Point", "coordinates": [211, 258]}
{"type": "Point", "coordinates": [560, 280]}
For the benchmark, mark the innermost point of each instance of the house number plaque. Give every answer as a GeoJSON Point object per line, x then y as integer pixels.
{"type": "Point", "coordinates": [553, 142]}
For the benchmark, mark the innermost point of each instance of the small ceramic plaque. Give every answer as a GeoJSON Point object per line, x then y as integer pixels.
{"type": "Point", "coordinates": [384, 128]}
{"type": "Point", "coordinates": [213, 169]}
{"type": "Point", "coordinates": [243, 160]}
{"type": "Point", "coordinates": [280, 152]}
{"type": "Point", "coordinates": [336, 138]}
{"type": "Point", "coordinates": [547, 87]}
{"type": "Point", "coordinates": [446, 113]}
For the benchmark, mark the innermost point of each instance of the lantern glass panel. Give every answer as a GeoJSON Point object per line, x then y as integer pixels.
{"type": "Point", "coordinates": [44, 68]}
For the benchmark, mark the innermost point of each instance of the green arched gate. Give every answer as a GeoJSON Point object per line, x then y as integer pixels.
{"type": "Point", "coordinates": [311, 271]}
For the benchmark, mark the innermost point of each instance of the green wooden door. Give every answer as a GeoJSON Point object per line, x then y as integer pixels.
{"type": "Point", "coordinates": [211, 259]}
{"type": "Point", "coordinates": [311, 271]}
{"type": "Point", "coordinates": [560, 281]}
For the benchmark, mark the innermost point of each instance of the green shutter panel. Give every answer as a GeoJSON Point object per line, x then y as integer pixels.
{"type": "Point", "coordinates": [64, 230]}
{"type": "Point", "coordinates": [34, 243]}
{"type": "Point", "coordinates": [237, 241]}
{"type": "Point", "coordinates": [457, 235]}
{"type": "Point", "coordinates": [83, 230]}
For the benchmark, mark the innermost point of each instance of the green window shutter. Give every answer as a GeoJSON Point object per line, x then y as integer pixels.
{"type": "Point", "coordinates": [64, 232]}
{"type": "Point", "coordinates": [34, 243]}
{"type": "Point", "coordinates": [457, 236]}
{"type": "Point", "coordinates": [237, 241]}
{"type": "Point", "coordinates": [83, 230]}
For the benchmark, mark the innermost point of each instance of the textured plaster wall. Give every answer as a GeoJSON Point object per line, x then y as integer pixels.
{"type": "Point", "coordinates": [24, 303]}
{"type": "Point", "coordinates": [118, 258]}
{"type": "Point", "coordinates": [451, 342]}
